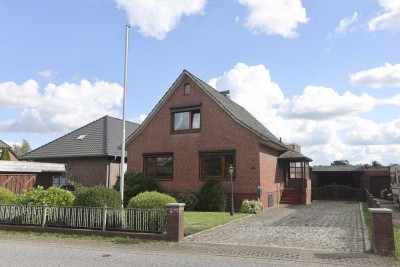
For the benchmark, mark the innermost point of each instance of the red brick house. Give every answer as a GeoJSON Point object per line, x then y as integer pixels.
{"type": "Point", "coordinates": [196, 132]}
{"type": "Point", "coordinates": [13, 156]}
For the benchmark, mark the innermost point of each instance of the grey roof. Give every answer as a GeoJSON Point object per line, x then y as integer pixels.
{"type": "Point", "coordinates": [3, 144]}
{"type": "Point", "coordinates": [293, 155]}
{"type": "Point", "coordinates": [100, 138]}
{"type": "Point", "coordinates": [338, 168]}
{"type": "Point", "coordinates": [30, 167]}
{"type": "Point", "coordinates": [233, 109]}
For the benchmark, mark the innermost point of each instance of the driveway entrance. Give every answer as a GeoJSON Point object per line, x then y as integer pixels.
{"type": "Point", "coordinates": [322, 225]}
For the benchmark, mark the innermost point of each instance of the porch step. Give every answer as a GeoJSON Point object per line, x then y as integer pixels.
{"type": "Point", "coordinates": [291, 196]}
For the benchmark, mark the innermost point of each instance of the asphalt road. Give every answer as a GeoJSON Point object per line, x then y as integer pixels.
{"type": "Point", "coordinates": [37, 253]}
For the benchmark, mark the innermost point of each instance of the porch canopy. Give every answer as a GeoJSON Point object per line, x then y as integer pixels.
{"type": "Point", "coordinates": [295, 168]}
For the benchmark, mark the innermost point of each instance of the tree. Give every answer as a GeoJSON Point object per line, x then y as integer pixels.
{"type": "Point", "coordinates": [5, 155]}
{"type": "Point", "coordinates": [376, 164]}
{"type": "Point", "coordinates": [340, 162]}
{"type": "Point", "coordinates": [22, 149]}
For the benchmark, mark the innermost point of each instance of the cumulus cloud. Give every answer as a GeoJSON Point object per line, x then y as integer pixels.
{"type": "Point", "coordinates": [156, 18]}
{"type": "Point", "coordinates": [318, 102]}
{"type": "Point", "coordinates": [389, 20]}
{"type": "Point", "coordinates": [280, 17]}
{"type": "Point", "coordinates": [48, 74]}
{"type": "Point", "coordinates": [325, 123]}
{"type": "Point", "coordinates": [58, 108]}
{"type": "Point", "coordinates": [386, 76]}
{"type": "Point", "coordinates": [346, 24]}
{"type": "Point", "coordinates": [139, 119]}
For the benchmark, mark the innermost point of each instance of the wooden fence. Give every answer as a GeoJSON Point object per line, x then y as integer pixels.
{"type": "Point", "coordinates": [337, 192]}
{"type": "Point", "coordinates": [136, 220]}
{"type": "Point", "coordinates": [372, 202]}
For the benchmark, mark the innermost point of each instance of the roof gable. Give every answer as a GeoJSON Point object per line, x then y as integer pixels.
{"type": "Point", "coordinates": [237, 112]}
{"type": "Point", "coordinates": [98, 138]}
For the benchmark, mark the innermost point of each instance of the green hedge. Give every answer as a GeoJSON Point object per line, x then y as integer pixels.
{"type": "Point", "coordinates": [53, 196]}
{"type": "Point", "coordinates": [97, 196]}
{"type": "Point", "coordinates": [251, 206]}
{"type": "Point", "coordinates": [189, 197]}
{"type": "Point", "coordinates": [150, 200]}
{"type": "Point", "coordinates": [6, 196]}
{"type": "Point", "coordinates": [212, 196]}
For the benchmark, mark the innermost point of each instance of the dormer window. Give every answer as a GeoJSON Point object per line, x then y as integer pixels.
{"type": "Point", "coordinates": [81, 136]}
{"type": "Point", "coordinates": [186, 89]}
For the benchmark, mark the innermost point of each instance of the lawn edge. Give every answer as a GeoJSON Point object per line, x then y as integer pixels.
{"type": "Point", "coordinates": [367, 242]}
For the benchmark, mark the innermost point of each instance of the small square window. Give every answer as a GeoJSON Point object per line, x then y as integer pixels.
{"type": "Point", "coordinates": [187, 89]}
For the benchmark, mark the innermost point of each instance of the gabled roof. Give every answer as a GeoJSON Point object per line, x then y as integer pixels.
{"type": "Point", "coordinates": [293, 155]}
{"type": "Point", "coordinates": [338, 168]}
{"type": "Point", "coordinates": [3, 144]}
{"type": "Point", "coordinates": [237, 112]}
{"type": "Point", "coordinates": [98, 138]}
{"type": "Point", "coordinates": [10, 150]}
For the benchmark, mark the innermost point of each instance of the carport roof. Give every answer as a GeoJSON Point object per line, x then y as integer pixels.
{"type": "Point", "coordinates": [338, 168]}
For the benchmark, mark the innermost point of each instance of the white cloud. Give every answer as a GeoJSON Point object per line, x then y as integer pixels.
{"type": "Point", "coordinates": [139, 119]}
{"type": "Point", "coordinates": [156, 18]}
{"type": "Point", "coordinates": [386, 76]}
{"type": "Point", "coordinates": [325, 123]}
{"type": "Point", "coordinates": [389, 20]}
{"type": "Point", "coordinates": [58, 108]}
{"type": "Point", "coordinates": [279, 17]}
{"type": "Point", "coordinates": [318, 102]}
{"type": "Point", "coordinates": [48, 74]}
{"type": "Point", "coordinates": [345, 25]}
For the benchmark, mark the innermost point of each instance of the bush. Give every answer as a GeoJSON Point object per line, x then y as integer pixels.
{"type": "Point", "coordinates": [6, 196]}
{"type": "Point", "coordinates": [97, 196]}
{"type": "Point", "coordinates": [135, 183]}
{"type": "Point", "coordinates": [189, 197]}
{"type": "Point", "coordinates": [53, 196]}
{"type": "Point", "coordinates": [251, 206]}
{"type": "Point", "coordinates": [212, 196]}
{"type": "Point", "coordinates": [150, 200]}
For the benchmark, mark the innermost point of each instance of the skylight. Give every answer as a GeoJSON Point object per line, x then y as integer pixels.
{"type": "Point", "coordinates": [81, 136]}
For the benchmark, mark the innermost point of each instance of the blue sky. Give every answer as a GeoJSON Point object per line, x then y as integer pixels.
{"type": "Point", "coordinates": [323, 74]}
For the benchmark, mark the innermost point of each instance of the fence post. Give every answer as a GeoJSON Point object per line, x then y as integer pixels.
{"type": "Point", "coordinates": [44, 213]}
{"type": "Point", "coordinates": [175, 226]}
{"type": "Point", "coordinates": [104, 218]}
{"type": "Point", "coordinates": [382, 231]}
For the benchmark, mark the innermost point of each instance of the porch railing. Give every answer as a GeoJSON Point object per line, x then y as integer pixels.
{"type": "Point", "coordinates": [137, 220]}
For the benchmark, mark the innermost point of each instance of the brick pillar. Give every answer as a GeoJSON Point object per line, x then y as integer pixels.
{"type": "Point", "coordinates": [382, 231]}
{"type": "Point", "coordinates": [175, 224]}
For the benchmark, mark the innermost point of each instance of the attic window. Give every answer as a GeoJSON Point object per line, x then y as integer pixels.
{"type": "Point", "coordinates": [186, 89]}
{"type": "Point", "coordinates": [81, 137]}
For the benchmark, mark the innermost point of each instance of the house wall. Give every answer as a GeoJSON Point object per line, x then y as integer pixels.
{"type": "Point", "coordinates": [271, 175]}
{"type": "Point", "coordinates": [218, 132]}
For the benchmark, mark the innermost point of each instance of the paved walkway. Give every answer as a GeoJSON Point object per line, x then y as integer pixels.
{"type": "Point", "coordinates": [323, 225]}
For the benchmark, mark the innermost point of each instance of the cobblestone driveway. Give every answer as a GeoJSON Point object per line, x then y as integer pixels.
{"type": "Point", "coordinates": [322, 225]}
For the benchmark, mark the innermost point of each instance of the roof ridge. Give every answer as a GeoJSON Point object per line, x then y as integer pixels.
{"type": "Point", "coordinates": [70, 133]}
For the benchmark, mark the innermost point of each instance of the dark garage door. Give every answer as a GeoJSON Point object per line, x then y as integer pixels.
{"type": "Point", "coordinates": [377, 183]}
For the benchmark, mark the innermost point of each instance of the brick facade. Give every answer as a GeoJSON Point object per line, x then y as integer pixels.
{"type": "Point", "coordinates": [255, 164]}
{"type": "Point", "coordinates": [382, 231]}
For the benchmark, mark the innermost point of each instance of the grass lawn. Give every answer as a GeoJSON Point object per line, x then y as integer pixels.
{"type": "Point", "coordinates": [368, 222]}
{"type": "Point", "coordinates": [196, 221]}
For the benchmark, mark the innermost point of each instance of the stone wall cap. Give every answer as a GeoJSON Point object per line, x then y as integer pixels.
{"type": "Point", "coordinates": [176, 205]}
{"type": "Point", "coordinates": [379, 210]}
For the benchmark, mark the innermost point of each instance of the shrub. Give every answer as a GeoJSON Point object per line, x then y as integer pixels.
{"type": "Point", "coordinates": [251, 206]}
{"type": "Point", "coordinates": [5, 154]}
{"type": "Point", "coordinates": [189, 197]}
{"type": "Point", "coordinates": [6, 196]}
{"type": "Point", "coordinates": [150, 200]}
{"type": "Point", "coordinates": [212, 196]}
{"type": "Point", "coordinates": [135, 183]}
{"type": "Point", "coordinates": [53, 196]}
{"type": "Point", "coordinates": [97, 196]}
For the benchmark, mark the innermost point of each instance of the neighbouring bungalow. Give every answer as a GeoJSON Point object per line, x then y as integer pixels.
{"type": "Point", "coordinates": [196, 132]}
{"type": "Point", "coordinates": [19, 175]}
{"type": "Point", "coordinates": [91, 153]}
{"type": "Point", "coordinates": [13, 156]}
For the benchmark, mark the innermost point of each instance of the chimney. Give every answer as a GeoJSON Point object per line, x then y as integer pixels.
{"type": "Point", "coordinates": [294, 147]}
{"type": "Point", "coordinates": [225, 93]}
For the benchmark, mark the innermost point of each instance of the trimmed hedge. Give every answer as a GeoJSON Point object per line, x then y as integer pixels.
{"type": "Point", "coordinates": [97, 196]}
{"type": "Point", "coordinates": [189, 197]}
{"type": "Point", "coordinates": [135, 183]}
{"type": "Point", "coordinates": [212, 196]}
{"type": "Point", "coordinates": [251, 206]}
{"type": "Point", "coordinates": [52, 196]}
{"type": "Point", "coordinates": [6, 196]}
{"type": "Point", "coordinates": [150, 200]}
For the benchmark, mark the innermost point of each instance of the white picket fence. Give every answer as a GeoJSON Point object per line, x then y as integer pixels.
{"type": "Point", "coordinates": [137, 220]}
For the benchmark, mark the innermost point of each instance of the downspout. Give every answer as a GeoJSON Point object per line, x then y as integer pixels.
{"type": "Point", "coordinates": [109, 171]}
